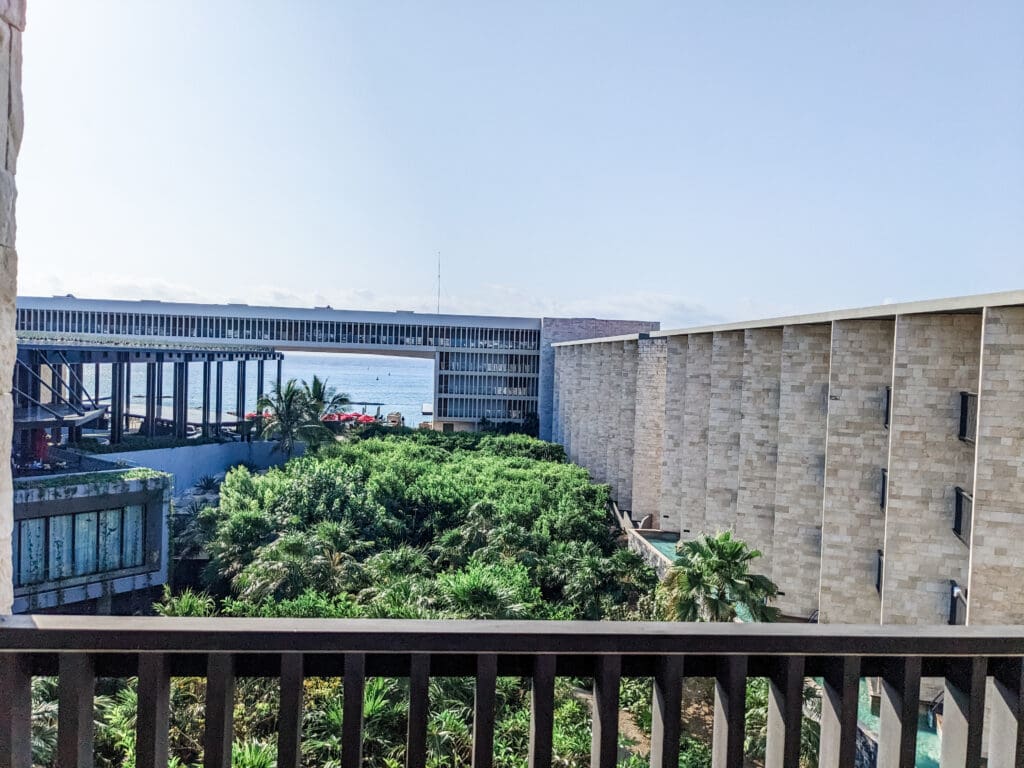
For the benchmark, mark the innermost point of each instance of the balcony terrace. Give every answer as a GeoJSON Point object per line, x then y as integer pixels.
{"type": "Point", "coordinates": [80, 649]}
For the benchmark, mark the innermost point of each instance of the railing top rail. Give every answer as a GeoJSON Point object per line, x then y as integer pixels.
{"type": "Point", "coordinates": [242, 635]}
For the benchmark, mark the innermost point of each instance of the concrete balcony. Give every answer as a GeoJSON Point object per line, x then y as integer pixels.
{"type": "Point", "coordinates": [80, 649]}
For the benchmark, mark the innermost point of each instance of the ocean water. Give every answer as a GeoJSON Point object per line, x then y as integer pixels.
{"type": "Point", "coordinates": [400, 384]}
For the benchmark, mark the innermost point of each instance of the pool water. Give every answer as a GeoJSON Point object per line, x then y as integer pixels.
{"type": "Point", "coordinates": [928, 741]}
{"type": "Point", "coordinates": [665, 546]}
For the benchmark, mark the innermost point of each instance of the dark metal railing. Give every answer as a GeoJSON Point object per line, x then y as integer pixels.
{"type": "Point", "coordinates": [879, 569]}
{"type": "Point", "coordinates": [78, 649]}
{"type": "Point", "coordinates": [957, 605]}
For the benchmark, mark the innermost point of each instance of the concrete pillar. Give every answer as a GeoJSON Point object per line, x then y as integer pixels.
{"type": "Point", "coordinates": [279, 361]}
{"type": "Point", "coordinates": [856, 452]}
{"type": "Point", "coordinates": [588, 410]}
{"type": "Point", "coordinates": [997, 569]}
{"type": "Point", "coordinates": [800, 475]}
{"type": "Point", "coordinates": [672, 417]}
{"type": "Point", "coordinates": [724, 430]}
{"type": "Point", "coordinates": [555, 435]}
{"type": "Point", "coordinates": [648, 433]}
{"type": "Point", "coordinates": [160, 386]}
{"type": "Point", "coordinates": [605, 377]}
{"type": "Point", "coordinates": [627, 425]}
{"type": "Point", "coordinates": [259, 378]}
{"type": "Point", "coordinates": [220, 396]}
{"type": "Point", "coordinates": [127, 395]}
{"type": "Point", "coordinates": [206, 397]}
{"type": "Point", "coordinates": [240, 392]}
{"type": "Point", "coordinates": [693, 487]}
{"type": "Point", "coordinates": [573, 392]}
{"type": "Point", "coordinates": [116, 401]}
{"type": "Point", "coordinates": [937, 357]}
{"type": "Point", "coordinates": [151, 399]}
{"type": "Point", "coordinates": [759, 442]}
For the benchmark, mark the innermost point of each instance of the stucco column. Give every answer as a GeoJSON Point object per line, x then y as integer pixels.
{"type": "Point", "coordinates": [672, 433]}
{"type": "Point", "coordinates": [694, 449]}
{"type": "Point", "coordinates": [627, 425]}
{"type": "Point", "coordinates": [12, 22]}
{"type": "Point", "coordinates": [724, 430]}
{"type": "Point", "coordinates": [648, 431]}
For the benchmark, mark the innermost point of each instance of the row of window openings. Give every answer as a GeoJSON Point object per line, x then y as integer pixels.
{"type": "Point", "coordinates": [67, 321]}
{"type": "Point", "coordinates": [968, 427]}
{"type": "Point", "coordinates": [957, 594]}
{"type": "Point", "coordinates": [477, 363]}
{"type": "Point", "coordinates": [508, 386]}
{"type": "Point", "coordinates": [64, 546]}
{"type": "Point", "coordinates": [453, 408]}
{"type": "Point", "coordinates": [963, 508]}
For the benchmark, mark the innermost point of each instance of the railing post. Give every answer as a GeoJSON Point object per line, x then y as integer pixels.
{"type": "Point", "coordinates": [604, 739]}
{"type": "Point", "coordinates": [730, 712]}
{"type": "Point", "coordinates": [785, 712]}
{"type": "Point", "coordinates": [897, 726]}
{"type": "Point", "coordinates": [15, 711]}
{"type": "Point", "coordinates": [354, 686]}
{"type": "Point", "coordinates": [76, 686]}
{"type": "Point", "coordinates": [838, 742]}
{"type": "Point", "coordinates": [220, 705]}
{"type": "Point", "coordinates": [542, 711]}
{"type": "Point", "coordinates": [289, 715]}
{"type": "Point", "coordinates": [1006, 736]}
{"type": "Point", "coordinates": [483, 710]}
{"type": "Point", "coordinates": [151, 716]}
{"type": "Point", "coordinates": [419, 711]}
{"type": "Point", "coordinates": [666, 711]}
{"type": "Point", "coordinates": [963, 712]}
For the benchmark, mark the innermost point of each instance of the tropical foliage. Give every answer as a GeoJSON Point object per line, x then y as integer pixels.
{"type": "Point", "coordinates": [291, 416]}
{"type": "Point", "coordinates": [711, 581]}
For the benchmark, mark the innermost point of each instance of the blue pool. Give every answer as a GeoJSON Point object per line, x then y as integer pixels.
{"type": "Point", "coordinates": [665, 546]}
{"type": "Point", "coordinates": [928, 741]}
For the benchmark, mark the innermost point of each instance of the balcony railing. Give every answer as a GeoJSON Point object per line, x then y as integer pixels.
{"type": "Point", "coordinates": [968, 416]}
{"type": "Point", "coordinates": [963, 514]}
{"type": "Point", "coordinates": [78, 649]}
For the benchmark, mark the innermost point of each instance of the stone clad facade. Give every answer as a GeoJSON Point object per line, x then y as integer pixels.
{"type": "Point", "coordinates": [785, 432]}
{"type": "Point", "coordinates": [12, 24]}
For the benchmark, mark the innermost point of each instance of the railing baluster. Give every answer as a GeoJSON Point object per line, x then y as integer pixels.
{"type": "Point", "coordinates": [352, 715]}
{"type": "Point", "coordinates": [963, 712]}
{"type": "Point", "coordinates": [730, 712]}
{"type": "Point", "coordinates": [483, 710]}
{"type": "Point", "coordinates": [76, 687]}
{"type": "Point", "coordinates": [838, 743]}
{"type": "Point", "coordinates": [1006, 734]}
{"type": "Point", "coordinates": [666, 712]}
{"type": "Point", "coordinates": [289, 715]}
{"type": "Point", "coordinates": [15, 711]}
{"type": "Point", "coordinates": [897, 722]}
{"type": "Point", "coordinates": [604, 740]}
{"type": "Point", "coordinates": [419, 711]}
{"type": "Point", "coordinates": [542, 711]}
{"type": "Point", "coordinates": [220, 706]}
{"type": "Point", "coordinates": [785, 712]}
{"type": "Point", "coordinates": [151, 717]}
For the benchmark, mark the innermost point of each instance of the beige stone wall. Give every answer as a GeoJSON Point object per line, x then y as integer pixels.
{"type": "Point", "coordinates": [672, 459]}
{"type": "Point", "coordinates": [12, 22]}
{"type": "Point", "coordinates": [648, 434]}
{"type": "Point", "coordinates": [723, 467]}
{"type": "Point", "coordinates": [623, 439]}
{"type": "Point", "coordinates": [693, 489]}
{"type": "Point", "coordinates": [937, 357]}
{"type": "Point", "coordinates": [800, 477]}
{"type": "Point", "coordinates": [856, 452]}
{"type": "Point", "coordinates": [995, 594]}
{"type": "Point", "coordinates": [759, 441]}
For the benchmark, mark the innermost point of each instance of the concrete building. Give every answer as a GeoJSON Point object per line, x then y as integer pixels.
{"type": "Point", "coordinates": [875, 456]}
{"type": "Point", "coordinates": [495, 368]}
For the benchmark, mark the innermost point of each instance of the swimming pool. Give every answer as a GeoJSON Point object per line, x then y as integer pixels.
{"type": "Point", "coordinates": [929, 743]}
{"type": "Point", "coordinates": [665, 546]}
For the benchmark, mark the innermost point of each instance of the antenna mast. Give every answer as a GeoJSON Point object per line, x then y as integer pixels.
{"type": "Point", "coordinates": [439, 282]}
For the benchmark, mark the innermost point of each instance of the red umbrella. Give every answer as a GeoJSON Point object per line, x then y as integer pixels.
{"type": "Point", "coordinates": [348, 416]}
{"type": "Point", "coordinates": [252, 415]}
{"type": "Point", "coordinates": [366, 419]}
{"type": "Point", "coordinates": [331, 417]}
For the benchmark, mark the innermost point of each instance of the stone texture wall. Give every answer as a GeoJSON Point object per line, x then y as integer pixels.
{"type": "Point", "coordinates": [556, 329]}
{"type": "Point", "coordinates": [623, 483]}
{"type": "Point", "coordinates": [937, 357]}
{"type": "Point", "coordinates": [857, 451]}
{"type": "Point", "coordinates": [12, 23]}
{"type": "Point", "coordinates": [693, 488]}
{"type": "Point", "coordinates": [800, 477]}
{"type": "Point", "coordinates": [997, 565]}
{"type": "Point", "coordinates": [759, 441]}
{"type": "Point", "coordinates": [672, 460]}
{"type": "Point", "coordinates": [724, 430]}
{"type": "Point", "coordinates": [648, 434]}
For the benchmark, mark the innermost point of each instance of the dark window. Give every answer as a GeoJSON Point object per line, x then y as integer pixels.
{"type": "Point", "coordinates": [957, 604]}
{"type": "Point", "coordinates": [878, 572]}
{"type": "Point", "coordinates": [885, 489]}
{"type": "Point", "coordinates": [962, 515]}
{"type": "Point", "coordinates": [968, 416]}
{"type": "Point", "coordinates": [888, 406]}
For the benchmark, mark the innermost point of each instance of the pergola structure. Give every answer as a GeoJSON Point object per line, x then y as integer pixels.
{"type": "Point", "coordinates": [50, 391]}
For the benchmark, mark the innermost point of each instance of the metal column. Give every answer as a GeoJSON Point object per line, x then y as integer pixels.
{"type": "Point", "coordinates": [220, 394]}
{"type": "Point", "coordinates": [240, 395]}
{"type": "Point", "coordinates": [259, 379]}
{"type": "Point", "coordinates": [206, 397]}
{"type": "Point", "coordinates": [151, 399]}
{"type": "Point", "coordinates": [127, 395]}
{"type": "Point", "coordinates": [279, 360]}
{"type": "Point", "coordinates": [116, 402]}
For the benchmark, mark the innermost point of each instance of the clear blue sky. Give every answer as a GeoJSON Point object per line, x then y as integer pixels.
{"type": "Point", "coordinates": [685, 162]}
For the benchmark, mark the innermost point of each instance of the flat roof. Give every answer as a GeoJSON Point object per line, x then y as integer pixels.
{"type": "Point", "coordinates": [957, 304]}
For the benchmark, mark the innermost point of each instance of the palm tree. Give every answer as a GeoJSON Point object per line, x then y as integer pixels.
{"type": "Point", "coordinates": [323, 399]}
{"type": "Point", "coordinates": [710, 580]}
{"type": "Point", "coordinates": [290, 419]}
